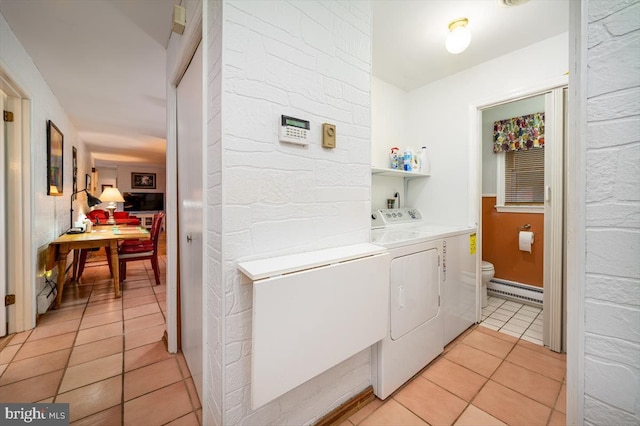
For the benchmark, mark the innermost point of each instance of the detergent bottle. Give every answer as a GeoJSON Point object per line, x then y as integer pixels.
{"type": "Point", "coordinates": [393, 158]}
{"type": "Point", "coordinates": [408, 159]}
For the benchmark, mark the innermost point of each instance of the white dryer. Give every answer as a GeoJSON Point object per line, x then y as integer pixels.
{"type": "Point", "coordinates": [416, 325]}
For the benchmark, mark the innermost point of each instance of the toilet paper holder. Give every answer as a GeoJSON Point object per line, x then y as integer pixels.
{"type": "Point", "coordinates": [525, 227]}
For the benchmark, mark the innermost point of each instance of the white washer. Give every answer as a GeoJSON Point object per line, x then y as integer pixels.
{"type": "Point", "coordinates": [418, 291]}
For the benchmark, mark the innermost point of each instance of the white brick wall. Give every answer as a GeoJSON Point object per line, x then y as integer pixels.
{"type": "Point", "coordinates": [612, 290]}
{"type": "Point", "coordinates": [311, 60]}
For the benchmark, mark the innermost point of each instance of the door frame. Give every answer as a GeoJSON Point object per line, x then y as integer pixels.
{"type": "Point", "coordinates": [21, 259]}
{"type": "Point", "coordinates": [475, 163]}
{"type": "Point", "coordinates": [3, 240]}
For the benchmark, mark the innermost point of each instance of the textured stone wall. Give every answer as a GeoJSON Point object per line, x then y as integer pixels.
{"type": "Point", "coordinates": [612, 305]}
{"type": "Point", "coordinates": [310, 60]}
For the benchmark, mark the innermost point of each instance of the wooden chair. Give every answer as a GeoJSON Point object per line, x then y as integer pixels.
{"type": "Point", "coordinates": [142, 250]}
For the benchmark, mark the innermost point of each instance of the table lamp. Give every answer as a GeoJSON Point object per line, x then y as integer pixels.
{"type": "Point", "coordinates": [113, 196]}
{"type": "Point", "coordinates": [91, 201]}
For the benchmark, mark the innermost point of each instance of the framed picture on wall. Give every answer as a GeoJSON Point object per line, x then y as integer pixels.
{"type": "Point", "coordinates": [55, 141]}
{"type": "Point", "coordinates": [87, 181]}
{"type": "Point", "coordinates": [74, 168]}
{"type": "Point", "coordinates": [105, 186]}
{"type": "Point", "coordinates": [143, 180]}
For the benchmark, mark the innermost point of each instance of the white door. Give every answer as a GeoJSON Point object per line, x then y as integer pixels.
{"type": "Point", "coordinates": [415, 291]}
{"type": "Point", "coordinates": [190, 151]}
{"type": "Point", "coordinates": [3, 239]}
{"type": "Point", "coordinates": [553, 328]}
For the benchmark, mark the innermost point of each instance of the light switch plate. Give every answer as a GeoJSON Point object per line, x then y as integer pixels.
{"type": "Point", "coordinates": [328, 135]}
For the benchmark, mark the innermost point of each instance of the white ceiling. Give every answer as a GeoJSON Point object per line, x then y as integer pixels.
{"type": "Point", "coordinates": [105, 59]}
{"type": "Point", "coordinates": [409, 35]}
{"type": "Point", "coordinates": [105, 62]}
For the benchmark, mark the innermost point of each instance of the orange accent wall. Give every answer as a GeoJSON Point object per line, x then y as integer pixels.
{"type": "Point", "coordinates": [500, 244]}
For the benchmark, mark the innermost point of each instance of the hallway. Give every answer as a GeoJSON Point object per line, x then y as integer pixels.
{"type": "Point", "coordinates": [104, 356]}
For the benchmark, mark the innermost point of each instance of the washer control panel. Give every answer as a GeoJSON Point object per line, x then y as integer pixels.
{"type": "Point", "coordinates": [384, 217]}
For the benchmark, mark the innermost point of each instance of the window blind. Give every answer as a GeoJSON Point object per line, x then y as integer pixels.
{"type": "Point", "coordinates": [524, 177]}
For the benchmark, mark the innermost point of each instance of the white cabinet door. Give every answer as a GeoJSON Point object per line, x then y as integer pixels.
{"type": "Point", "coordinates": [190, 149]}
{"type": "Point", "coordinates": [458, 287]}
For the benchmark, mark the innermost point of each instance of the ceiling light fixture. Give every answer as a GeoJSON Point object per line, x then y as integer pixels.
{"type": "Point", "coordinates": [459, 36]}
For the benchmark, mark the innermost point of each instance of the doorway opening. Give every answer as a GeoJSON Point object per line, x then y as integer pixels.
{"type": "Point", "coordinates": [533, 273]}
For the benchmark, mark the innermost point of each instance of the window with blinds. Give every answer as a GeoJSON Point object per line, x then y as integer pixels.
{"type": "Point", "coordinates": [524, 177]}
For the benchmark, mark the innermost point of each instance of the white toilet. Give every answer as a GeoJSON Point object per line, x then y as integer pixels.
{"type": "Point", "coordinates": [487, 274]}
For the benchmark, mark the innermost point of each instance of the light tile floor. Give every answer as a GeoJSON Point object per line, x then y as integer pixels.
{"type": "Point", "coordinates": [105, 357]}
{"type": "Point", "coordinates": [484, 377]}
{"type": "Point", "coordinates": [102, 355]}
{"type": "Point", "coordinates": [514, 319]}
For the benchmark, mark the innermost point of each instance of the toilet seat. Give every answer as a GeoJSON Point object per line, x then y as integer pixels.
{"type": "Point", "coordinates": [487, 266]}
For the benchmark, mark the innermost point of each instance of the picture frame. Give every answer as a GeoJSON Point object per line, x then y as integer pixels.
{"type": "Point", "coordinates": [74, 168]}
{"type": "Point", "coordinates": [87, 182]}
{"type": "Point", "coordinates": [55, 146]}
{"type": "Point", "coordinates": [143, 180]}
{"type": "Point", "coordinates": [105, 186]}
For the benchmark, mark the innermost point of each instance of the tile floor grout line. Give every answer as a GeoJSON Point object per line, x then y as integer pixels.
{"type": "Point", "coordinates": [517, 391]}
{"type": "Point", "coordinates": [513, 315]}
{"type": "Point", "coordinates": [73, 344]}
{"type": "Point", "coordinates": [124, 350]}
{"type": "Point", "coordinates": [490, 379]}
{"type": "Point", "coordinates": [555, 402]}
{"type": "Point", "coordinates": [503, 359]}
{"type": "Point", "coordinates": [441, 356]}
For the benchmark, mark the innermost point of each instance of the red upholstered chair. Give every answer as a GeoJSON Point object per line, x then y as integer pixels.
{"type": "Point", "coordinates": [98, 216]}
{"type": "Point", "coordinates": [142, 250]}
{"type": "Point", "coordinates": [123, 218]}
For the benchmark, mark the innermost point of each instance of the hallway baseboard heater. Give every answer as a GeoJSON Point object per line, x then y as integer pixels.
{"type": "Point", "coordinates": [311, 311]}
{"type": "Point", "coordinates": [518, 292]}
{"type": "Point", "coordinates": [46, 296]}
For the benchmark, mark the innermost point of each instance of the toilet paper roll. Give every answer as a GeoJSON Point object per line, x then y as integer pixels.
{"type": "Point", "coordinates": [525, 241]}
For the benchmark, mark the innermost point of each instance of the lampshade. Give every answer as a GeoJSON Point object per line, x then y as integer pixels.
{"type": "Point", "coordinates": [111, 195]}
{"type": "Point", "coordinates": [459, 36]}
{"type": "Point", "coordinates": [53, 190]}
{"type": "Point", "coordinates": [91, 200]}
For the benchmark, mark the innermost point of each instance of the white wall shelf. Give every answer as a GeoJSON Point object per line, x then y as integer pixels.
{"type": "Point", "coordinates": [407, 176]}
{"type": "Point", "coordinates": [397, 173]}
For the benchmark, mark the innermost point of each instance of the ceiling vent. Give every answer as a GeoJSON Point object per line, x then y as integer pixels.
{"type": "Point", "coordinates": [509, 3]}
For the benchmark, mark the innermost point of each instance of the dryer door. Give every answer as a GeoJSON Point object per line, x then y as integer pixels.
{"type": "Point", "coordinates": [415, 287]}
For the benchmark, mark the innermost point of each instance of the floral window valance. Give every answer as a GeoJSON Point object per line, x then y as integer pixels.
{"type": "Point", "coordinates": [519, 133]}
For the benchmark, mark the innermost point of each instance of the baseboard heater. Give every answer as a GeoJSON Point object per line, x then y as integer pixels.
{"type": "Point", "coordinates": [46, 296]}
{"type": "Point", "coordinates": [519, 292]}
{"type": "Point", "coordinates": [312, 311]}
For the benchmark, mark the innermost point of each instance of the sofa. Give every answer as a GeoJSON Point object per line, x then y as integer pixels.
{"type": "Point", "coordinates": [122, 218]}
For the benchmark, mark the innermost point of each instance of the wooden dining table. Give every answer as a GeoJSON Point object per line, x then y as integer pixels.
{"type": "Point", "coordinates": [101, 236]}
